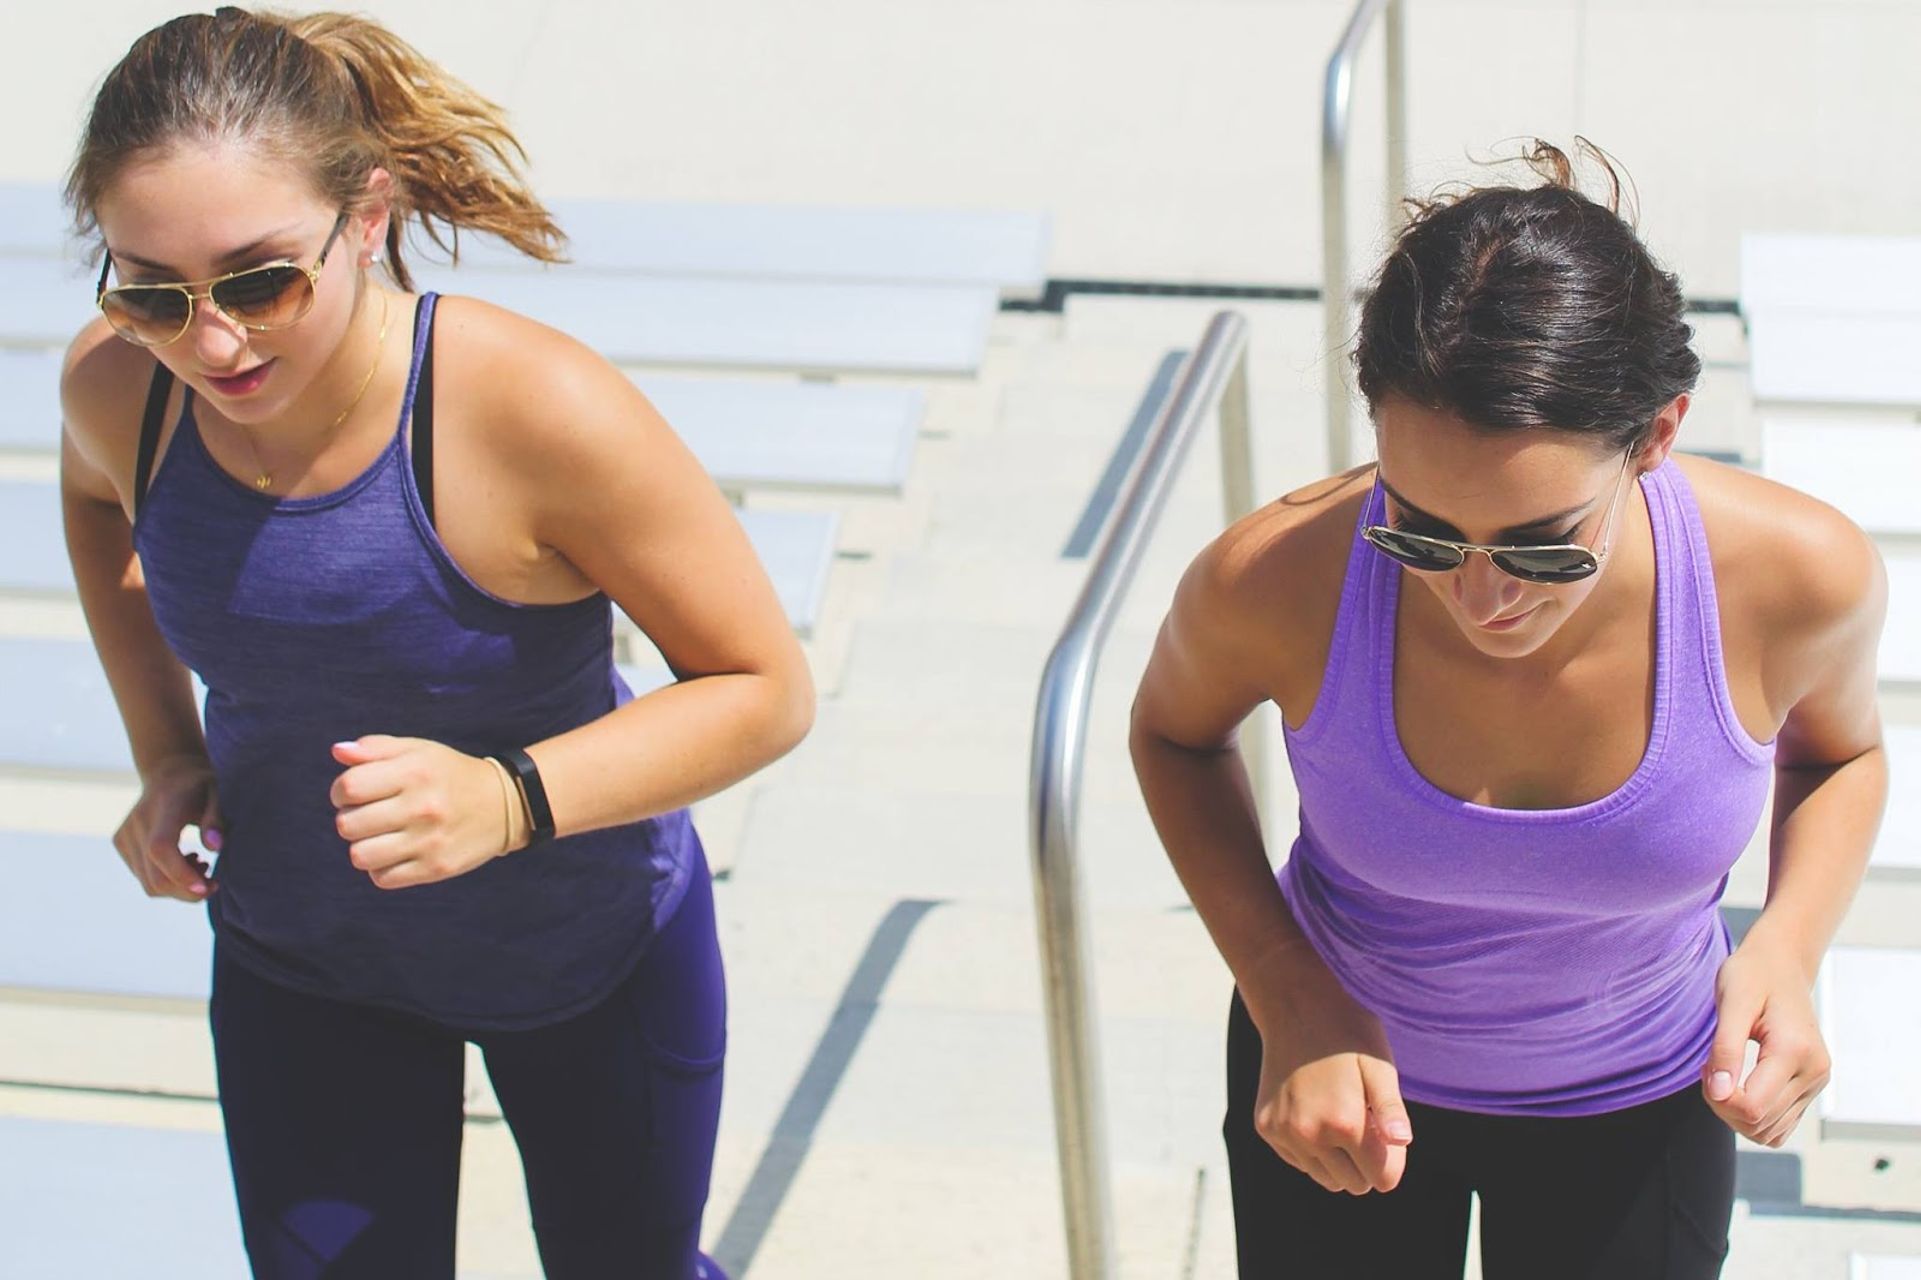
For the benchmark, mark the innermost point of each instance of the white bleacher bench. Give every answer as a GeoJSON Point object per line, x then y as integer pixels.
{"type": "Point", "coordinates": [1814, 271]}
{"type": "Point", "coordinates": [1002, 249]}
{"type": "Point", "coordinates": [89, 927]}
{"type": "Point", "coordinates": [56, 710]}
{"type": "Point", "coordinates": [1901, 637]}
{"type": "Point", "coordinates": [1866, 470]}
{"type": "Point", "coordinates": [806, 327]}
{"type": "Point", "coordinates": [98, 1200]}
{"type": "Point", "coordinates": [30, 399]}
{"type": "Point", "coordinates": [1882, 1267]}
{"type": "Point", "coordinates": [722, 324]}
{"type": "Point", "coordinates": [795, 547]}
{"type": "Point", "coordinates": [1006, 251]}
{"type": "Point", "coordinates": [33, 220]}
{"type": "Point", "coordinates": [749, 435]}
{"type": "Point", "coordinates": [1817, 357]}
{"type": "Point", "coordinates": [1864, 994]}
{"type": "Point", "coordinates": [52, 300]}
{"type": "Point", "coordinates": [1833, 319]}
{"type": "Point", "coordinates": [33, 548]}
{"type": "Point", "coordinates": [1897, 850]}
{"type": "Point", "coordinates": [791, 436]}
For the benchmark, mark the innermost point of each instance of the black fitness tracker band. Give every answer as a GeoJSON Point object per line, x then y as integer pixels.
{"type": "Point", "coordinates": [540, 814]}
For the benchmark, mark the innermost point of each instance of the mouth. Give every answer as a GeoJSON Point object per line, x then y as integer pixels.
{"type": "Point", "coordinates": [240, 384]}
{"type": "Point", "coordinates": [1508, 624]}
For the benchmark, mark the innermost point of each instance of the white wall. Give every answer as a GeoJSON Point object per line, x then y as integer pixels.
{"type": "Point", "coordinates": [1171, 139]}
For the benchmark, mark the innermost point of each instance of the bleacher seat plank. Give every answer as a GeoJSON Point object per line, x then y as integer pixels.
{"type": "Point", "coordinates": [89, 927]}
{"type": "Point", "coordinates": [1897, 850]}
{"type": "Point", "coordinates": [1817, 357]}
{"type": "Point", "coordinates": [30, 399]}
{"type": "Point", "coordinates": [1901, 636]}
{"type": "Point", "coordinates": [715, 323]}
{"type": "Point", "coordinates": [1883, 1267]}
{"type": "Point", "coordinates": [50, 299]}
{"type": "Point", "coordinates": [84, 1201]}
{"type": "Point", "coordinates": [1866, 470]}
{"type": "Point", "coordinates": [1850, 274]}
{"type": "Point", "coordinates": [1002, 250]}
{"type": "Point", "coordinates": [33, 220]}
{"type": "Point", "coordinates": [33, 547]}
{"type": "Point", "coordinates": [1872, 1092]}
{"type": "Point", "coordinates": [794, 436]}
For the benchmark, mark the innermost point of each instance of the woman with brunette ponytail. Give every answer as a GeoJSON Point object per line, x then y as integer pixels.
{"type": "Point", "coordinates": [1537, 674]}
{"type": "Point", "coordinates": [387, 531]}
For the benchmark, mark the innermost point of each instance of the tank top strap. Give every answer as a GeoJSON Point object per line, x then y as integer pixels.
{"type": "Point", "coordinates": [1691, 609]}
{"type": "Point", "coordinates": [151, 421]}
{"type": "Point", "coordinates": [417, 409]}
{"type": "Point", "coordinates": [1355, 647]}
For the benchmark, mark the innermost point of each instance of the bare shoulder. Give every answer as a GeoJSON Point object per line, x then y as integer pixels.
{"type": "Point", "coordinates": [1786, 564]}
{"type": "Point", "coordinates": [103, 393]}
{"type": "Point", "coordinates": [543, 398]}
{"type": "Point", "coordinates": [1268, 589]}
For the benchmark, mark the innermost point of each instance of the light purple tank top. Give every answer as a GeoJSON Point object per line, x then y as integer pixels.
{"type": "Point", "coordinates": [315, 620]}
{"type": "Point", "coordinates": [1552, 962]}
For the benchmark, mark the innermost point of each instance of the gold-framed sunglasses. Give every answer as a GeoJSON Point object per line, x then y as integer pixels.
{"type": "Point", "coordinates": [271, 296]}
{"type": "Point", "coordinates": [1549, 565]}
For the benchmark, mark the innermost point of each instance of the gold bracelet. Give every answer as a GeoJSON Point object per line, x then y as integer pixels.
{"type": "Point", "coordinates": [506, 807]}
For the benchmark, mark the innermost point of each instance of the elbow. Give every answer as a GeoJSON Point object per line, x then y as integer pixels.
{"type": "Point", "coordinates": [790, 716]}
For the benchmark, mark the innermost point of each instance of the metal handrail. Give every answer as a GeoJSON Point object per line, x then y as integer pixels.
{"type": "Point", "coordinates": [1216, 373]}
{"type": "Point", "coordinates": [1336, 103]}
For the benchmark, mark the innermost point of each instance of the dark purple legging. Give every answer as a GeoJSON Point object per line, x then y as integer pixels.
{"type": "Point", "coordinates": [344, 1122]}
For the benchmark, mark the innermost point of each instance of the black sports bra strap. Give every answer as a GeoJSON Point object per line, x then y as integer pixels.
{"type": "Point", "coordinates": [423, 424]}
{"type": "Point", "coordinates": [150, 423]}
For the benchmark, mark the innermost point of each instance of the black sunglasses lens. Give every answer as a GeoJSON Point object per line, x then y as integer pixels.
{"type": "Point", "coordinates": [1549, 565]}
{"type": "Point", "coordinates": [1415, 551]}
{"type": "Point", "coordinates": [267, 298]}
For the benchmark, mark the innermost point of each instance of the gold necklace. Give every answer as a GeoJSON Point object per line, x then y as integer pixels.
{"type": "Point", "coordinates": [263, 479]}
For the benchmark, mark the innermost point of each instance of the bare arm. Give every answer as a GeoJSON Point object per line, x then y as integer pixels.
{"type": "Point", "coordinates": [1831, 782]}
{"type": "Point", "coordinates": [151, 688]}
{"type": "Point", "coordinates": [631, 508]}
{"type": "Point", "coordinates": [1329, 1099]}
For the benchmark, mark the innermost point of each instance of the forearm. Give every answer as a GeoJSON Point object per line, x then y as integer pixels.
{"type": "Point", "coordinates": [151, 687]}
{"type": "Point", "coordinates": [1203, 808]}
{"type": "Point", "coordinates": [1822, 834]}
{"type": "Point", "coordinates": [671, 748]}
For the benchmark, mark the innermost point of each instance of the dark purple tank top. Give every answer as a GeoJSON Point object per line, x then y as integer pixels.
{"type": "Point", "coordinates": [1529, 961]}
{"type": "Point", "coordinates": [322, 619]}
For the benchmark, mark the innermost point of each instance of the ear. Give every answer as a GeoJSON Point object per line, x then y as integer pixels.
{"type": "Point", "coordinates": [376, 213]}
{"type": "Point", "coordinates": [1660, 438]}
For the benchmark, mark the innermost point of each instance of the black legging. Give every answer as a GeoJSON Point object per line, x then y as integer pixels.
{"type": "Point", "coordinates": [1639, 1194]}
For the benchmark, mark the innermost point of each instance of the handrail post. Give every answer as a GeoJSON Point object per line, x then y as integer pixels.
{"type": "Point", "coordinates": [1214, 374]}
{"type": "Point", "coordinates": [1337, 101]}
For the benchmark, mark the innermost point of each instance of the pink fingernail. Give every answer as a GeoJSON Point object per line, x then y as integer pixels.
{"type": "Point", "coordinates": [211, 837]}
{"type": "Point", "coordinates": [200, 889]}
{"type": "Point", "coordinates": [1720, 1086]}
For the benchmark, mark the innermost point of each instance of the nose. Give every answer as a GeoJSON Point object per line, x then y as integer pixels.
{"type": "Point", "coordinates": [1482, 592]}
{"type": "Point", "coordinates": [218, 343]}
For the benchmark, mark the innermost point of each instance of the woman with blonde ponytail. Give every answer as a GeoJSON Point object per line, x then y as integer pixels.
{"type": "Point", "coordinates": [387, 531]}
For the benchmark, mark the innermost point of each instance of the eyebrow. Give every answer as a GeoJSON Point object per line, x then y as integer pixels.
{"type": "Point", "coordinates": [1547, 522]}
{"type": "Point", "coordinates": [225, 259]}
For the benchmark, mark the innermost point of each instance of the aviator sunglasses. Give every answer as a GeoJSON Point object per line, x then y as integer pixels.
{"type": "Point", "coordinates": [1554, 564]}
{"type": "Point", "coordinates": [271, 296]}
